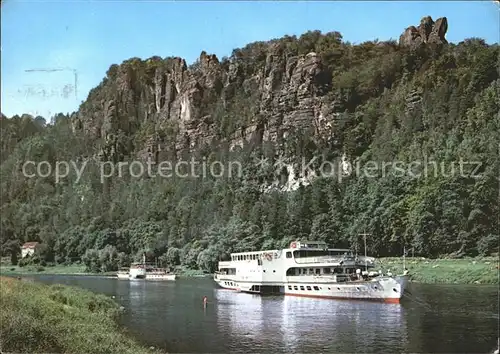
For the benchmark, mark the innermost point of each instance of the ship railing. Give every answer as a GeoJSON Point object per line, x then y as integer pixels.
{"type": "Point", "coordinates": [329, 259]}
{"type": "Point", "coordinates": [316, 278]}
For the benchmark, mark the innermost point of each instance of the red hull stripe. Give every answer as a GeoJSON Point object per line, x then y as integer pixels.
{"type": "Point", "coordinates": [386, 300]}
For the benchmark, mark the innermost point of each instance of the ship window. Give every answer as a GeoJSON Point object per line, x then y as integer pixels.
{"type": "Point", "coordinates": [318, 271]}
{"type": "Point", "coordinates": [338, 288]}
{"type": "Point", "coordinates": [308, 288]}
{"type": "Point", "coordinates": [311, 271]}
{"type": "Point", "coordinates": [264, 270]}
{"type": "Point", "coordinates": [289, 255]}
{"type": "Point", "coordinates": [315, 288]}
{"type": "Point", "coordinates": [274, 271]}
{"type": "Point", "coordinates": [289, 287]}
{"type": "Point", "coordinates": [326, 270]}
{"type": "Point", "coordinates": [295, 287]}
{"type": "Point", "coordinates": [301, 288]}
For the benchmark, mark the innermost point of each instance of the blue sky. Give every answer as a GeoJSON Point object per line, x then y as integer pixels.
{"type": "Point", "coordinates": [89, 36]}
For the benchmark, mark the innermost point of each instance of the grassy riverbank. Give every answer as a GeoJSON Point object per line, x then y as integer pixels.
{"type": "Point", "coordinates": [38, 318]}
{"type": "Point", "coordinates": [445, 271]}
{"type": "Point", "coordinates": [6, 269]}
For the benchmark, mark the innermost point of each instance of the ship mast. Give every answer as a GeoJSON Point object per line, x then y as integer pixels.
{"type": "Point", "coordinates": [364, 238]}
{"type": "Point", "coordinates": [404, 259]}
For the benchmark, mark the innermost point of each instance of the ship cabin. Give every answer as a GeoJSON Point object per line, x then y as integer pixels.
{"type": "Point", "coordinates": [316, 259]}
{"type": "Point", "coordinates": [246, 258]}
{"type": "Point", "coordinates": [304, 251]}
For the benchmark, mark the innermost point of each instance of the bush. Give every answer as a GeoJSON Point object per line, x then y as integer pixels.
{"type": "Point", "coordinates": [24, 262]}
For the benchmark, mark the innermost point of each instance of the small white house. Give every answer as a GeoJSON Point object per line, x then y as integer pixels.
{"type": "Point", "coordinates": [28, 249]}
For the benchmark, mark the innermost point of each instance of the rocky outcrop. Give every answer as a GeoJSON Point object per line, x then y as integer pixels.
{"type": "Point", "coordinates": [427, 32]}
{"type": "Point", "coordinates": [164, 98]}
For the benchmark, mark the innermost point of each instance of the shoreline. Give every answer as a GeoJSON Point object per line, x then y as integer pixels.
{"type": "Point", "coordinates": [75, 270]}
{"type": "Point", "coordinates": [62, 318]}
{"type": "Point", "coordinates": [464, 271]}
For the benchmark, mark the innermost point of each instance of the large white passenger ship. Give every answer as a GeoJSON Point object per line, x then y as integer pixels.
{"type": "Point", "coordinates": [309, 269]}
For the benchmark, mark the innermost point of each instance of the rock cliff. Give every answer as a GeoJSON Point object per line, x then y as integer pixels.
{"type": "Point", "coordinates": [159, 107]}
{"type": "Point", "coordinates": [285, 94]}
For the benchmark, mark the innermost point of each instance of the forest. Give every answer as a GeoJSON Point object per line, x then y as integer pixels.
{"type": "Point", "coordinates": [434, 104]}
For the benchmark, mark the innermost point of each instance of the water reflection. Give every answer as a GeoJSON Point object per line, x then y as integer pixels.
{"type": "Point", "coordinates": [341, 326]}
{"type": "Point", "coordinates": [242, 312]}
{"type": "Point", "coordinates": [294, 324]}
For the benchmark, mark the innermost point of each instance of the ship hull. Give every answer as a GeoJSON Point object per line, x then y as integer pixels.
{"type": "Point", "coordinates": [158, 277]}
{"type": "Point", "coordinates": [382, 289]}
{"type": "Point", "coordinates": [386, 289]}
{"type": "Point", "coordinates": [226, 283]}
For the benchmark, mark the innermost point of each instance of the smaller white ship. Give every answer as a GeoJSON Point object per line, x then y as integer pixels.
{"type": "Point", "coordinates": [147, 271]}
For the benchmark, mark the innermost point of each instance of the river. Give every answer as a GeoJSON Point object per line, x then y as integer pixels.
{"type": "Point", "coordinates": [170, 315]}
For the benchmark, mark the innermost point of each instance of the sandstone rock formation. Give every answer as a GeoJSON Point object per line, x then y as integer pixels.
{"type": "Point", "coordinates": [267, 94]}
{"type": "Point", "coordinates": [168, 97]}
{"type": "Point", "coordinates": [427, 32]}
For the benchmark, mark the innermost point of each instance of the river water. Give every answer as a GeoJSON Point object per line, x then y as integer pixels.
{"type": "Point", "coordinates": [170, 315]}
